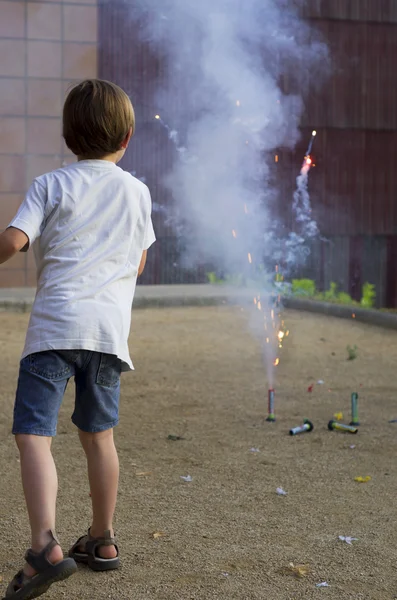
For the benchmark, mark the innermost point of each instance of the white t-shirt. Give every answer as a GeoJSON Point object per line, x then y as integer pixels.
{"type": "Point", "coordinates": [90, 222]}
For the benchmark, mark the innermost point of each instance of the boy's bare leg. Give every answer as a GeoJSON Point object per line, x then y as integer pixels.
{"type": "Point", "coordinates": [40, 485]}
{"type": "Point", "coordinates": [103, 475]}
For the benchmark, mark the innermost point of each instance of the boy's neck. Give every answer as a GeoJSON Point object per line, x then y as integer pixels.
{"type": "Point", "coordinates": [114, 158]}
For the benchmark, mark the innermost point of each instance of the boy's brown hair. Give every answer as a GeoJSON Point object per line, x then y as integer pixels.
{"type": "Point", "coordinates": [97, 116]}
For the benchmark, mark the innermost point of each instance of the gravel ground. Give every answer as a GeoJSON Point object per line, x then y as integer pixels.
{"type": "Point", "coordinates": [227, 534]}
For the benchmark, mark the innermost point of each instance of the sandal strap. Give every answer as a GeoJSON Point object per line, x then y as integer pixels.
{"type": "Point", "coordinates": [93, 543]}
{"type": "Point", "coordinates": [18, 582]}
{"type": "Point", "coordinates": [39, 560]}
{"type": "Point", "coordinates": [80, 542]}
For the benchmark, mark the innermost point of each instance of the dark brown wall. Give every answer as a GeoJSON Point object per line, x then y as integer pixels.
{"type": "Point", "coordinates": [382, 11]}
{"type": "Point", "coordinates": [354, 184]}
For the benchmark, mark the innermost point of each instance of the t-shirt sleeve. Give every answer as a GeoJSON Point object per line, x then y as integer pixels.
{"type": "Point", "coordinates": [150, 236]}
{"type": "Point", "coordinates": [31, 214]}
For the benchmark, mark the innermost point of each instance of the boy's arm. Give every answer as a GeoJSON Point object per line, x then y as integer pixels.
{"type": "Point", "coordinates": [142, 263]}
{"type": "Point", "coordinates": [149, 237]}
{"type": "Point", "coordinates": [12, 240]}
{"type": "Point", "coordinates": [26, 225]}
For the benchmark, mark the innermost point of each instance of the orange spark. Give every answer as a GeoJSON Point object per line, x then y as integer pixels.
{"type": "Point", "coordinates": [249, 258]}
{"type": "Point", "coordinates": [234, 234]}
{"type": "Point", "coordinates": [276, 362]}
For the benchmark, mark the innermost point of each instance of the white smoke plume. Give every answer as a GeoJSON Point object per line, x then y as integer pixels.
{"type": "Point", "coordinates": [221, 91]}
{"type": "Point", "coordinates": [230, 94]}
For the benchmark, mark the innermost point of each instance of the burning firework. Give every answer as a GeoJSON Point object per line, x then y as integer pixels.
{"type": "Point", "coordinates": [308, 158]}
{"type": "Point", "coordinates": [271, 418]}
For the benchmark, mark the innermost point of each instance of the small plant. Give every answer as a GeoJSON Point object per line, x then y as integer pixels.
{"type": "Point", "coordinates": [369, 295]}
{"type": "Point", "coordinates": [303, 287]}
{"type": "Point", "coordinates": [352, 352]}
{"type": "Point", "coordinates": [331, 294]}
{"type": "Point", "coordinates": [344, 298]}
{"type": "Point", "coordinates": [213, 278]}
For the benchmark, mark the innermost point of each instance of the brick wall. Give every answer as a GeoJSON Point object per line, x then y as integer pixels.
{"type": "Point", "coordinates": [45, 46]}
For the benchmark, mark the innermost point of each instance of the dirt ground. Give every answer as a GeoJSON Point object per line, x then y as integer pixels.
{"type": "Point", "coordinates": [227, 534]}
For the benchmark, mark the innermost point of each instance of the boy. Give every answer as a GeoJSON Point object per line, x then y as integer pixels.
{"type": "Point", "coordinates": [92, 225]}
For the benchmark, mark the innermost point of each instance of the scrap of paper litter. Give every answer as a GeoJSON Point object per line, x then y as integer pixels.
{"type": "Point", "coordinates": [281, 492]}
{"type": "Point", "coordinates": [323, 584]}
{"type": "Point", "coordinates": [186, 478]}
{"type": "Point", "coordinates": [348, 539]}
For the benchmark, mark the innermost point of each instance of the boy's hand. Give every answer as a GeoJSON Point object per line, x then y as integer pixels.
{"type": "Point", "coordinates": [12, 240]}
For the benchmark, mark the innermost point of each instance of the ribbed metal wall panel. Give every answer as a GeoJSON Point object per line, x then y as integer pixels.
{"type": "Point", "coordinates": [382, 11]}
{"type": "Point", "coordinates": [354, 185]}
{"type": "Point", "coordinates": [361, 90]}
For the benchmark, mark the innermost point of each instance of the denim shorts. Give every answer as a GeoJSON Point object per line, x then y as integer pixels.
{"type": "Point", "coordinates": [42, 382]}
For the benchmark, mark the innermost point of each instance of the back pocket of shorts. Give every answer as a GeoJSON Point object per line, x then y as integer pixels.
{"type": "Point", "coordinates": [48, 364]}
{"type": "Point", "coordinates": [109, 370]}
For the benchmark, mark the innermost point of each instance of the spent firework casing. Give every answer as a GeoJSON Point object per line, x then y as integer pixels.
{"type": "Point", "coordinates": [354, 401]}
{"type": "Point", "coordinates": [307, 426]}
{"type": "Point", "coordinates": [336, 426]}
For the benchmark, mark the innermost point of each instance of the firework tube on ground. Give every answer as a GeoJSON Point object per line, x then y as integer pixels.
{"type": "Point", "coordinates": [307, 426]}
{"type": "Point", "coordinates": [271, 418]}
{"type": "Point", "coordinates": [355, 420]}
{"type": "Point", "coordinates": [336, 426]}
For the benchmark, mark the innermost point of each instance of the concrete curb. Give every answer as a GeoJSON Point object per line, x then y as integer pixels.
{"type": "Point", "coordinates": [21, 301]}
{"type": "Point", "coordinates": [15, 305]}
{"type": "Point", "coordinates": [364, 315]}
{"type": "Point", "coordinates": [189, 295]}
{"type": "Point", "coordinates": [146, 296]}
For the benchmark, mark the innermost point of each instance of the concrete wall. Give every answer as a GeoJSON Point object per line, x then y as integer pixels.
{"type": "Point", "coordinates": [45, 46]}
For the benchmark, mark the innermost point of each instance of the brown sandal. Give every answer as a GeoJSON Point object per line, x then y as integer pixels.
{"type": "Point", "coordinates": [91, 557]}
{"type": "Point", "coordinates": [23, 587]}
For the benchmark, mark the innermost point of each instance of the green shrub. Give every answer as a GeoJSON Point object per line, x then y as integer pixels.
{"type": "Point", "coordinates": [213, 278]}
{"type": "Point", "coordinates": [303, 287]}
{"type": "Point", "coordinates": [344, 298]}
{"type": "Point", "coordinates": [331, 294]}
{"type": "Point", "coordinates": [352, 352]}
{"type": "Point", "coordinates": [369, 295]}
